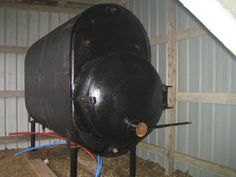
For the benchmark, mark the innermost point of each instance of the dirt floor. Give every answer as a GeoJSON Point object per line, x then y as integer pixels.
{"type": "Point", "coordinates": [59, 163]}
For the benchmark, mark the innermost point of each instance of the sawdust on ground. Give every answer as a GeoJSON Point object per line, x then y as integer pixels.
{"type": "Point", "coordinates": [59, 163]}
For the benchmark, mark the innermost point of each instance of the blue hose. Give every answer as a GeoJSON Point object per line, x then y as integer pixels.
{"type": "Point", "coordinates": [100, 160]}
{"type": "Point", "coordinates": [41, 146]}
{"type": "Point", "coordinates": [99, 167]}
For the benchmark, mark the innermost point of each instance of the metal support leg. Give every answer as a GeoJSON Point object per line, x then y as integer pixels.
{"type": "Point", "coordinates": [32, 140]}
{"type": "Point", "coordinates": [133, 161]}
{"type": "Point", "coordinates": [73, 162]}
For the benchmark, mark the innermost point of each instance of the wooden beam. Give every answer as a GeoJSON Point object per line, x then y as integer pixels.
{"type": "Point", "coordinates": [19, 139]}
{"type": "Point", "coordinates": [41, 169]}
{"type": "Point", "coordinates": [205, 165]}
{"type": "Point", "coordinates": [39, 7]}
{"type": "Point", "coordinates": [87, 166]}
{"type": "Point", "coordinates": [152, 148]}
{"type": "Point", "coordinates": [13, 49]}
{"type": "Point", "coordinates": [12, 94]}
{"type": "Point", "coordinates": [215, 98]}
{"type": "Point", "coordinates": [92, 2]}
{"type": "Point", "coordinates": [190, 160]}
{"type": "Point", "coordinates": [190, 33]}
{"type": "Point", "coordinates": [171, 113]}
{"type": "Point", "coordinates": [62, 2]}
{"type": "Point", "coordinates": [184, 34]}
{"type": "Point", "coordinates": [157, 40]}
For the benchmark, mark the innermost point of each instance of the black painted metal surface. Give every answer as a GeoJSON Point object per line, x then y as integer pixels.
{"type": "Point", "coordinates": [91, 78]}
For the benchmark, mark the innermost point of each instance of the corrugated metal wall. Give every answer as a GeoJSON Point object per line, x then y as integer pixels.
{"type": "Point", "coordinates": [204, 65]}
{"type": "Point", "coordinates": [19, 28]}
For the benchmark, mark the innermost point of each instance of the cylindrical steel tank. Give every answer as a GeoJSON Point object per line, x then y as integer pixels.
{"type": "Point", "coordinates": [91, 81]}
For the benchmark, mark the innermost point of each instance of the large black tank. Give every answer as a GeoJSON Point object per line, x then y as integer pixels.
{"type": "Point", "coordinates": [91, 81]}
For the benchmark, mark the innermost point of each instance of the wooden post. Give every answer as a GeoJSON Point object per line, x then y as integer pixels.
{"type": "Point", "coordinates": [12, 94]}
{"type": "Point", "coordinates": [215, 98]}
{"type": "Point", "coordinates": [171, 114]}
{"type": "Point", "coordinates": [41, 169]}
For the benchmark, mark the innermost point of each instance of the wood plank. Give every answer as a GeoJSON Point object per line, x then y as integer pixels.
{"type": "Point", "coordinates": [152, 148]}
{"type": "Point", "coordinates": [157, 40]}
{"type": "Point", "coordinates": [62, 2]}
{"type": "Point", "coordinates": [190, 33]}
{"type": "Point", "coordinates": [215, 98]}
{"type": "Point", "coordinates": [41, 169]}
{"type": "Point", "coordinates": [92, 2]}
{"type": "Point", "coordinates": [13, 49]}
{"type": "Point", "coordinates": [190, 160]}
{"type": "Point", "coordinates": [20, 138]}
{"type": "Point", "coordinates": [184, 34]}
{"type": "Point", "coordinates": [171, 113]}
{"type": "Point", "coordinates": [88, 166]}
{"type": "Point", "coordinates": [205, 165]}
{"type": "Point", "coordinates": [38, 7]}
{"type": "Point", "coordinates": [12, 94]}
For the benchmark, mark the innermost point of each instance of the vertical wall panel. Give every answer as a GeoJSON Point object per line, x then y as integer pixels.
{"type": "Point", "coordinates": [193, 64]}
{"type": "Point", "coordinates": [10, 103]}
{"type": "Point", "coordinates": [183, 73]}
{"type": "Point", "coordinates": [22, 28]}
{"type": "Point", "coordinates": [232, 160]}
{"type": "Point", "coordinates": [33, 33]}
{"type": "Point", "coordinates": [153, 17]}
{"type": "Point", "coordinates": [207, 64]}
{"type": "Point", "coordinates": [206, 136]}
{"type": "Point", "coordinates": [153, 27]}
{"type": "Point", "coordinates": [2, 26]}
{"type": "Point", "coordinates": [233, 73]}
{"type": "Point", "coordinates": [21, 40]}
{"type": "Point", "coordinates": [43, 24]}
{"type": "Point", "coordinates": [2, 74]}
{"type": "Point", "coordinates": [182, 133]}
{"type": "Point", "coordinates": [63, 18]}
{"type": "Point", "coordinates": [162, 17]}
{"type": "Point", "coordinates": [10, 73]}
{"type": "Point", "coordinates": [53, 20]}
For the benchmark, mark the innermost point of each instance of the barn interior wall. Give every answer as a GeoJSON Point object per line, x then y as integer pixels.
{"type": "Point", "coordinates": [203, 66]}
